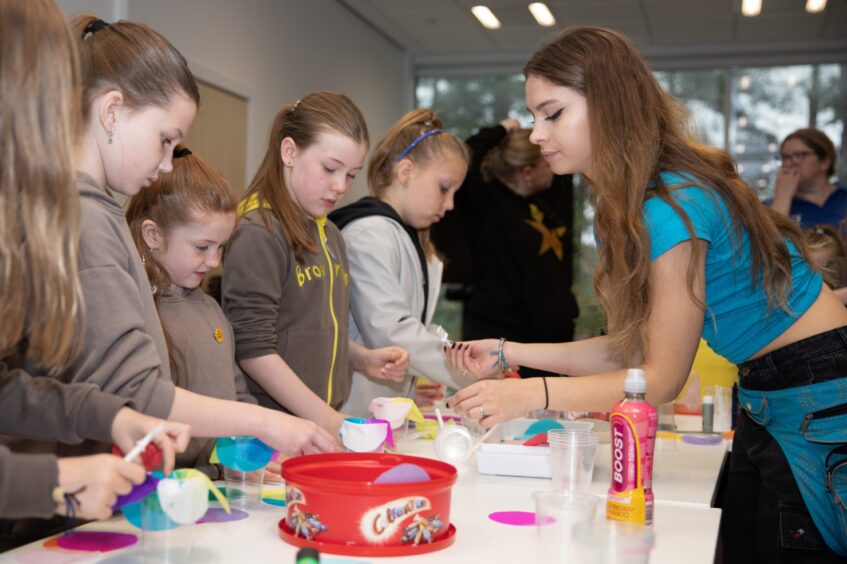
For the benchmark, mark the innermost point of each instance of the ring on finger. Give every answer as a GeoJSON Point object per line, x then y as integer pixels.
{"type": "Point", "coordinates": [481, 413]}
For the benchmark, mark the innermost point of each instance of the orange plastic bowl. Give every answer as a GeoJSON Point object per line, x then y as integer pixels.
{"type": "Point", "coordinates": [333, 504]}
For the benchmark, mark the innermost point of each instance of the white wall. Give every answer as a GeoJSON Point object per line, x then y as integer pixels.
{"type": "Point", "coordinates": [275, 51]}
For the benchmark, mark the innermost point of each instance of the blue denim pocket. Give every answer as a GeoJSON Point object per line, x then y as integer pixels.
{"type": "Point", "coordinates": [756, 406]}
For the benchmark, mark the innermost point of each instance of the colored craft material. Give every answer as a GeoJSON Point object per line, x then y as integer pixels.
{"type": "Point", "coordinates": [245, 454]}
{"type": "Point", "coordinates": [393, 412]}
{"type": "Point", "coordinates": [274, 497]}
{"type": "Point", "coordinates": [520, 518]}
{"type": "Point", "coordinates": [540, 426]}
{"type": "Point", "coordinates": [403, 474]}
{"type": "Point", "coordinates": [185, 501]}
{"type": "Point", "coordinates": [702, 439]}
{"type": "Point", "coordinates": [138, 492]}
{"type": "Point", "coordinates": [218, 515]}
{"type": "Point", "coordinates": [181, 500]}
{"type": "Point", "coordinates": [151, 456]}
{"type": "Point", "coordinates": [95, 541]}
{"type": "Point", "coordinates": [538, 440]}
{"type": "Point", "coordinates": [365, 435]}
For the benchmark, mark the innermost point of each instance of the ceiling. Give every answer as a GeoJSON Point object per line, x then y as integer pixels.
{"type": "Point", "coordinates": [440, 31]}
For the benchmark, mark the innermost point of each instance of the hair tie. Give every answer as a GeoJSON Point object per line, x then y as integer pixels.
{"type": "Point", "coordinates": [184, 152]}
{"type": "Point", "coordinates": [415, 142]}
{"type": "Point", "coordinates": [94, 27]}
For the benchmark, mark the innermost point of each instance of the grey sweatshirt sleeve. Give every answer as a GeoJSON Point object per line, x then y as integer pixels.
{"type": "Point", "coordinates": [119, 356]}
{"type": "Point", "coordinates": [251, 288]}
{"type": "Point", "coordinates": [45, 409]}
{"type": "Point", "coordinates": [26, 484]}
{"type": "Point", "coordinates": [379, 306]}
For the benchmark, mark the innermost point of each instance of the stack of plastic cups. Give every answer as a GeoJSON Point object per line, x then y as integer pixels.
{"type": "Point", "coordinates": [571, 459]}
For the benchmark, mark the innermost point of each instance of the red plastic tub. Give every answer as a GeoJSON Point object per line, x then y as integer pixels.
{"type": "Point", "coordinates": [333, 504]}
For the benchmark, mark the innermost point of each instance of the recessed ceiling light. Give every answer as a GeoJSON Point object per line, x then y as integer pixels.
{"type": "Point", "coordinates": [815, 6]}
{"type": "Point", "coordinates": [486, 17]}
{"type": "Point", "coordinates": [751, 7]}
{"type": "Point", "coordinates": [542, 14]}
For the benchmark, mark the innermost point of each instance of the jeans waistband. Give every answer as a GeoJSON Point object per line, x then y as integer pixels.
{"type": "Point", "coordinates": [811, 360]}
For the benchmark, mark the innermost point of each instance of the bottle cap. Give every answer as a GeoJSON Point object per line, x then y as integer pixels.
{"type": "Point", "coordinates": [635, 383]}
{"type": "Point", "coordinates": [708, 399]}
{"type": "Point", "coordinates": [307, 556]}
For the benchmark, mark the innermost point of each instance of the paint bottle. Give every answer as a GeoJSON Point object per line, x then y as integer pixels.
{"type": "Point", "coordinates": [633, 424]}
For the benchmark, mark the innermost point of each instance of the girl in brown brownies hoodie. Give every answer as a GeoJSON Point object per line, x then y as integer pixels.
{"type": "Point", "coordinates": [285, 282]}
{"type": "Point", "coordinates": [180, 226]}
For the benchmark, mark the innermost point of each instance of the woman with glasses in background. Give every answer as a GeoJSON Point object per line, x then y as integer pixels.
{"type": "Point", "coordinates": [803, 189]}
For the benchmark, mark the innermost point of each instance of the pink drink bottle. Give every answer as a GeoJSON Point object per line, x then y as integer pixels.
{"type": "Point", "coordinates": [633, 424]}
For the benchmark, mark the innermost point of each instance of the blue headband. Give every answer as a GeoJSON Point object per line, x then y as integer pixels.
{"type": "Point", "coordinates": [415, 142]}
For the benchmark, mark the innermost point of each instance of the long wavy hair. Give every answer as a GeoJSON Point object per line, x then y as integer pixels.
{"type": "Point", "coordinates": [193, 186]}
{"type": "Point", "coordinates": [302, 121]}
{"type": "Point", "coordinates": [637, 132]}
{"type": "Point", "coordinates": [39, 203]}
{"type": "Point", "coordinates": [408, 128]}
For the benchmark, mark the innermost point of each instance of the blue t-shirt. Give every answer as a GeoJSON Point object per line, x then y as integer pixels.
{"type": "Point", "coordinates": [737, 321]}
{"type": "Point", "coordinates": [830, 213]}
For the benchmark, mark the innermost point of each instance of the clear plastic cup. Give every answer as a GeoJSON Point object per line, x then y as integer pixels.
{"type": "Point", "coordinates": [162, 540]}
{"type": "Point", "coordinates": [454, 444]}
{"type": "Point", "coordinates": [613, 542]}
{"type": "Point", "coordinates": [571, 459]}
{"type": "Point", "coordinates": [556, 515]}
{"type": "Point", "coordinates": [244, 489]}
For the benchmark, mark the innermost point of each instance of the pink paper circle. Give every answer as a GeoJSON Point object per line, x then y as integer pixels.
{"type": "Point", "coordinates": [519, 518]}
{"type": "Point", "coordinates": [96, 541]}
{"type": "Point", "coordinates": [218, 515]}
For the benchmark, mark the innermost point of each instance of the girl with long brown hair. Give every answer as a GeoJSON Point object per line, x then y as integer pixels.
{"type": "Point", "coordinates": [40, 296]}
{"type": "Point", "coordinates": [286, 278]}
{"type": "Point", "coordinates": [686, 249]}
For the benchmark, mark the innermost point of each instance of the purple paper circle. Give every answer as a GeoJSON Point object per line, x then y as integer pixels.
{"type": "Point", "coordinates": [218, 515]}
{"type": "Point", "coordinates": [96, 541]}
{"type": "Point", "coordinates": [519, 518]}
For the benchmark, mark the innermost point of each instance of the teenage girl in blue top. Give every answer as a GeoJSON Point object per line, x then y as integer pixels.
{"type": "Point", "coordinates": [686, 249]}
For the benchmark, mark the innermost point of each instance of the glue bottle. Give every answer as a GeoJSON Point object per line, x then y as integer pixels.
{"type": "Point", "coordinates": [633, 424]}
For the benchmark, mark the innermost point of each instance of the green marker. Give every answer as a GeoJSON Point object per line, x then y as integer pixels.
{"type": "Point", "coordinates": [308, 556]}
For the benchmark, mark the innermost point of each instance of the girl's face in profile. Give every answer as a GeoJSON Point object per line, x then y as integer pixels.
{"type": "Point", "coordinates": [319, 175]}
{"type": "Point", "coordinates": [143, 141]}
{"type": "Point", "coordinates": [430, 191]}
{"type": "Point", "coordinates": [561, 126]}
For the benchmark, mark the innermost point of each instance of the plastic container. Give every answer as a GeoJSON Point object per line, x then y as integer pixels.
{"type": "Point", "coordinates": [333, 505]}
{"type": "Point", "coordinates": [571, 459]}
{"type": "Point", "coordinates": [633, 431]}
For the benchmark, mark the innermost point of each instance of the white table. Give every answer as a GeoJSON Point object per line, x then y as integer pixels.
{"type": "Point", "coordinates": [685, 526]}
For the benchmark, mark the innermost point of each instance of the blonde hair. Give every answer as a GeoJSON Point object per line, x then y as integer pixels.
{"type": "Point", "coordinates": [514, 152]}
{"type": "Point", "coordinates": [637, 132]}
{"type": "Point", "coordinates": [39, 202]}
{"type": "Point", "coordinates": [192, 186]}
{"type": "Point", "coordinates": [133, 59]}
{"type": "Point", "coordinates": [302, 121]}
{"type": "Point", "coordinates": [827, 239]}
{"type": "Point", "coordinates": [398, 140]}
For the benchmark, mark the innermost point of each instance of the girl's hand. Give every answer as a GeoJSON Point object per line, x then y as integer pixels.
{"type": "Point", "coordinates": [96, 482]}
{"type": "Point", "coordinates": [496, 401]}
{"type": "Point", "coordinates": [427, 394]}
{"type": "Point", "coordinates": [130, 426]}
{"type": "Point", "coordinates": [387, 363]}
{"type": "Point", "coordinates": [293, 436]}
{"type": "Point", "coordinates": [475, 358]}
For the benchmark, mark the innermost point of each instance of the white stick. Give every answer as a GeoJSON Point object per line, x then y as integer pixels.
{"type": "Point", "coordinates": [142, 444]}
{"type": "Point", "coordinates": [440, 419]}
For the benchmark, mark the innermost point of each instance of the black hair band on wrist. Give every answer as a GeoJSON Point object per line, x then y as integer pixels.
{"type": "Point", "coordinates": [546, 393]}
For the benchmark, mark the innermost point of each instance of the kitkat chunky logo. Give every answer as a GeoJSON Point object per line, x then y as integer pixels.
{"type": "Point", "coordinates": [379, 523]}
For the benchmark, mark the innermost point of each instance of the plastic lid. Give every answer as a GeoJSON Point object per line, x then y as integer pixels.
{"type": "Point", "coordinates": [708, 399]}
{"type": "Point", "coordinates": [635, 383]}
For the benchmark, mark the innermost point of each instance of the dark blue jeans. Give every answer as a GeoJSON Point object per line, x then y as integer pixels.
{"type": "Point", "coordinates": [765, 519]}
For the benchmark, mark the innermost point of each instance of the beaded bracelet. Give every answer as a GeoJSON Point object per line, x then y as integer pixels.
{"type": "Point", "coordinates": [502, 365]}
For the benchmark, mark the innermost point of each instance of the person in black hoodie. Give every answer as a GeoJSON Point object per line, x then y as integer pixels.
{"type": "Point", "coordinates": [515, 219]}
